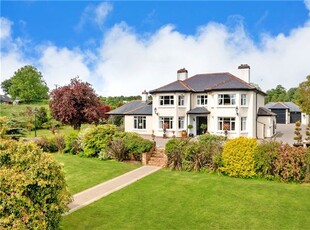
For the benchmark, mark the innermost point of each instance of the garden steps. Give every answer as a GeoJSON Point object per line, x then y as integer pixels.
{"type": "Point", "coordinates": [158, 158]}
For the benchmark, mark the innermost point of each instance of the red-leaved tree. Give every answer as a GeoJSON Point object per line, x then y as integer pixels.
{"type": "Point", "coordinates": [77, 103]}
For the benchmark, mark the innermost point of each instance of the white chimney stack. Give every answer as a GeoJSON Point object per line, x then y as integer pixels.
{"type": "Point", "coordinates": [244, 72]}
{"type": "Point", "coordinates": [182, 74]}
{"type": "Point", "coordinates": [144, 95]}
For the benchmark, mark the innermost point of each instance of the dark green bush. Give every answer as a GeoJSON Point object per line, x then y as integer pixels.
{"type": "Point", "coordinates": [292, 163]}
{"type": "Point", "coordinates": [264, 157]}
{"type": "Point", "coordinates": [41, 117]}
{"type": "Point", "coordinates": [175, 151]}
{"type": "Point", "coordinates": [136, 145]}
{"type": "Point", "coordinates": [212, 145]}
{"type": "Point", "coordinates": [47, 144]}
{"type": "Point", "coordinates": [97, 139]}
{"type": "Point", "coordinates": [205, 153]}
{"type": "Point", "coordinates": [33, 191]}
{"type": "Point", "coordinates": [195, 157]}
{"type": "Point", "coordinates": [72, 143]}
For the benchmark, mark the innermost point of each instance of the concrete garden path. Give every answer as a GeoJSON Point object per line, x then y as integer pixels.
{"type": "Point", "coordinates": [95, 193]}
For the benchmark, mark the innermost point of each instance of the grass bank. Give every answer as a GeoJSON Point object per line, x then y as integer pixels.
{"type": "Point", "coordinates": [83, 173]}
{"type": "Point", "coordinates": [183, 200]}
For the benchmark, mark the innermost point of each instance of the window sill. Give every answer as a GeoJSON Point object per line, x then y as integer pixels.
{"type": "Point", "coordinates": [227, 106]}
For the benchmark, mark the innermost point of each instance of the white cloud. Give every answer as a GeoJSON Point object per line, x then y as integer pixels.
{"type": "Point", "coordinates": [307, 3]}
{"type": "Point", "coordinates": [126, 63]}
{"type": "Point", "coordinates": [95, 14]}
{"type": "Point", "coordinates": [101, 12]}
{"type": "Point", "coordinates": [5, 28]}
{"type": "Point", "coordinates": [129, 64]}
{"type": "Point", "coordinates": [11, 55]}
{"type": "Point", "coordinates": [59, 65]}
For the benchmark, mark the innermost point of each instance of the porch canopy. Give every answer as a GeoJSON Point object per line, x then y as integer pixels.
{"type": "Point", "coordinates": [199, 110]}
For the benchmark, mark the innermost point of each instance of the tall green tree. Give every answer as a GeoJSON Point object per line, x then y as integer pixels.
{"type": "Point", "coordinates": [277, 94]}
{"type": "Point", "coordinates": [5, 85]}
{"type": "Point", "coordinates": [304, 95]}
{"type": "Point", "coordinates": [27, 84]}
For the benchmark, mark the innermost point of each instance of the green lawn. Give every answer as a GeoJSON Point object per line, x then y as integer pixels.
{"type": "Point", "coordinates": [183, 200]}
{"type": "Point", "coordinates": [16, 110]}
{"type": "Point", "coordinates": [66, 129]}
{"type": "Point", "coordinates": [83, 173]}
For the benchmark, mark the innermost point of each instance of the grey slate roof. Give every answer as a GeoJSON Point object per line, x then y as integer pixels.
{"type": "Point", "coordinates": [199, 110]}
{"type": "Point", "coordinates": [176, 86]}
{"type": "Point", "coordinates": [133, 108]}
{"type": "Point", "coordinates": [207, 82]}
{"type": "Point", "coordinates": [265, 112]}
{"type": "Point", "coordinates": [283, 105]}
{"type": "Point", "coordinates": [5, 98]}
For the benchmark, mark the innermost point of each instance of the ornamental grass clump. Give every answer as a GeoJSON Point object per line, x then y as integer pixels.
{"type": "Point", "coordinates": [175, 151]}
{"type": "Point", "coordinates": [238, 157]}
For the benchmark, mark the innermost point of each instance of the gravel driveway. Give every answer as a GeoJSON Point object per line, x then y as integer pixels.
{"type": "Point", "coordinates": [285, 133]}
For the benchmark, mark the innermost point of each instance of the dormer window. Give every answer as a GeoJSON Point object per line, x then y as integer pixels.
{"type": "Point", "coordinates": [202, 99]}
{"type": "Point", "coordinates": [166, 100]}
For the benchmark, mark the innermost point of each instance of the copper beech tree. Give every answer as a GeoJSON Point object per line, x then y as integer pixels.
{"type": "Point", "coordinates": [77, 103]}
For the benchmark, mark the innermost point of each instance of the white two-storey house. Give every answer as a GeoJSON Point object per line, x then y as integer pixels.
{"type": "Point", "coordinates": [221, 101]}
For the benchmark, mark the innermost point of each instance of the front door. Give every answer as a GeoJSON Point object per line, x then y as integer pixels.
{"type": "Point", "coordinates": [199, 122]}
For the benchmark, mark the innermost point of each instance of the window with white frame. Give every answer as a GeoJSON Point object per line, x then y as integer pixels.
{"type": "Point", "coordinates": [166, 122]}
{"type": "Point", "coordinates": [181, 100]}
{"type": "Point", "coordinates": [226, 99]}
{"type": "Point", "coordinates": [139, 122]}
{"type": "Point", "coordinates": [166, 100]}
{"type": "Point", "coordinates": [202, 99]}
{"type": "Point", "coordinates": [243, 99]}
{"type": "Point", "coordinates": [243, 123]}
{"type": "Point", "coordinates": [226, 123]}
{"type": "Point", "coordinates": [181, 122]}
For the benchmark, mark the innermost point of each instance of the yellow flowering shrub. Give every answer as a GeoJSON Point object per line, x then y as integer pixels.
{"type": "Point", "coordinates": [238, 157]}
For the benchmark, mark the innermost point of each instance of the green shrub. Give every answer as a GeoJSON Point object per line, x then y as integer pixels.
{"type": "Point", "coordinates": [33, 191]}
{"type": "Point", "coordinates": [238, 157]}
{"type": "Point", "coordinates": [292, 163]}
{"type": "Point", "coordinates": [212, 145]}
{"type": "Point", "coordinates": [47, 144]}
{"type": "Point", "coordinates": [72, 143]}
{"type": "Point", "coordinates": [175, 151]}
{"type": "Point", "coordinates": [97, 139]}
{"type": "Point", "coordinates": [264, 157]}
{"type": "Point", "coordinates": [195, 158]}
{"type": "Point", "coordinates": [136, 145]}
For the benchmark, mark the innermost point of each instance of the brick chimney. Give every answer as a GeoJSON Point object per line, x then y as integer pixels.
{"type": "Point", "coordinates": [244, 72]}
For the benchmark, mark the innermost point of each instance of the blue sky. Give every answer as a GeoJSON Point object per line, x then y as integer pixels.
{"type": "Point", "coordinates": [124, 47]}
